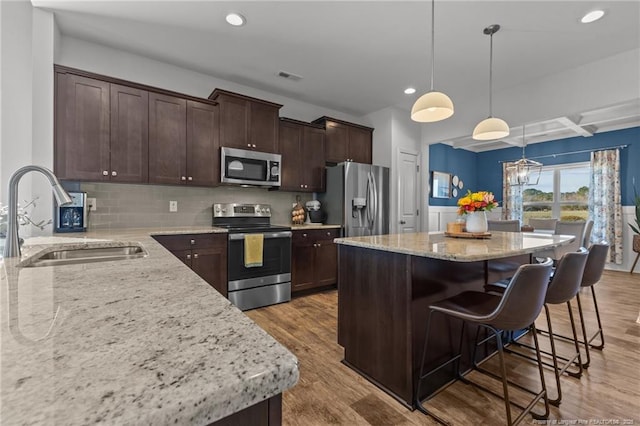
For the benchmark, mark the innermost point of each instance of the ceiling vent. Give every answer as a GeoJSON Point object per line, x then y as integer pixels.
{"type": "Point", "coordinates": [289, 76]}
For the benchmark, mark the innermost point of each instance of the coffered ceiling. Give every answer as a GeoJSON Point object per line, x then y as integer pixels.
{"type": "Point", "coordinates": [359, 56]}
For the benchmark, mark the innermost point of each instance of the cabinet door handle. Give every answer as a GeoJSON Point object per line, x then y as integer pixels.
{"type": "Point", "coordinates": [114, 173]}
{"type": "Point", "coordinates": [188, 257]}
{"type": "Point", "coordinates": [105, 173]}
{"type": "Point", "coordinates": [195, 255]}
{"type": "Point", "coordinates": [192, 242]}
{"type": "Point", "coordinates": [190, 178]}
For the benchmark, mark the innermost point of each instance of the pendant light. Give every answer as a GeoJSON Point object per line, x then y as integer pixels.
{"type": "Point", "coordinates": [524, 171]}
{"type": "Point", "coordinates": [432, 106]}
{"type": "Point", "coordinates": [491, 128]}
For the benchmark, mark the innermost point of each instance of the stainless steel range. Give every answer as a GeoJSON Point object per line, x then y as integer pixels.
{"type": "Point", "coordinates": [269, 282]}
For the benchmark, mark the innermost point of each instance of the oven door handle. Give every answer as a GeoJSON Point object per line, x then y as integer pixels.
{"type": "Point", "coordinates": [282, 234]}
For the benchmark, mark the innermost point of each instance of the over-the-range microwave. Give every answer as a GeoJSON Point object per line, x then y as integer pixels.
{"type": "Point", "coordinates": [244, 167]}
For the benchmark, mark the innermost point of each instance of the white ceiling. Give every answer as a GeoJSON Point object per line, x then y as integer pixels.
{"type": "Point", "coordinates": [359, 56]}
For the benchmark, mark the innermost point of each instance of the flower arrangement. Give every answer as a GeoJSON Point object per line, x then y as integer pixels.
{"type": "Point", "coordinates": [476, 202]}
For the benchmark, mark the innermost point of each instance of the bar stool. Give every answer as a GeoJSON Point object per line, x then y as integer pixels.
{"type": "Point", "coordinates": [516, 309]}
{"type": "Point", "coordinates": [592, 273]}
{"type": "Point", "coordinates": [564, 286]}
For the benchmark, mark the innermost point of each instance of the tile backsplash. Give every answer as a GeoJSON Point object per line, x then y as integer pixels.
{"type": "Point", "coordinates": [141, 206]}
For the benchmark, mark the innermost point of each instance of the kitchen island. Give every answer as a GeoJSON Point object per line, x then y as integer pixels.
{"type": "Point", "coordinates": [136, 341]}
{"type": "Point", "coordinates": [387, 282]}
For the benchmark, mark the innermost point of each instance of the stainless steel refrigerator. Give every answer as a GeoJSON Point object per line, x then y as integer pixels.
{"type": "Point", "coordinates": [357, 197]}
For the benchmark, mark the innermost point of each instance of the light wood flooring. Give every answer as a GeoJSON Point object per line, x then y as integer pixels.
{"type": "Point", "coordinates": [328, 392]}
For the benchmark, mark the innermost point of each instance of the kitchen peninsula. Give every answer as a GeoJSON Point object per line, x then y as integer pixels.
{"type": "Point", "coordinates": [135, 341]}
{"type": "Point", "coordinates": [387, 282]}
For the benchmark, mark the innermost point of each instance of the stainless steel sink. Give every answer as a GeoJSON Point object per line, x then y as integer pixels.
{"type": "Point", "coordinates": [73, 256]}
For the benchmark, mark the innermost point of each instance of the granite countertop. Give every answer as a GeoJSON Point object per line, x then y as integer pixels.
{"type": "Point", "coordinates": [139, 341]}
{"type": "Point", "coordinates": [438, 246]}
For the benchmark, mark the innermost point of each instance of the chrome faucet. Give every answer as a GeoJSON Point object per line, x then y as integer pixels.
{"type": "Point", "coordinates": [12, 245]}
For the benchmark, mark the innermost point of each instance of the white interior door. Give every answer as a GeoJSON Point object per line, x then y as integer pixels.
{"type": "Point", "coordinates": [408, 195]}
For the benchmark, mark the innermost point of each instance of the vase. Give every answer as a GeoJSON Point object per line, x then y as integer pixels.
{"type": "Point", "coordinates": [636, 243]}
{"type": "Point", "coordinates": [477, 222]}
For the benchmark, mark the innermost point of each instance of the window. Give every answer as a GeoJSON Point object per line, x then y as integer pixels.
{"type": "Point", "coordinates": [562, 192]}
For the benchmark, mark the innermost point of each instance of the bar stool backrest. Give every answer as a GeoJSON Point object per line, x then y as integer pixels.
{"type": "Point", "coordinates": [595, 264]}
{"type": "Point", "coordinates": [523, 298]}
{"type": "Point", "coordinates": [504, 225]}
{"type": "Point", "coordinates": [567, 277]}
{"type": "Point", "coordinates": [587, 234]}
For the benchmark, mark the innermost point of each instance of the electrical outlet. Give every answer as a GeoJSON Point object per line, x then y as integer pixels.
{"type": "Point", "coordinates": [173, 206]}
{"type": "Point", "coordinates": [93, 204]}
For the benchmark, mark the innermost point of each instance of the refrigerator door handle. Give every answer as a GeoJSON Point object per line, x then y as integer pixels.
{"type": "Point", "coordinates": [375, 201]}
{"type": "Point", "coordinates": [371, 194]}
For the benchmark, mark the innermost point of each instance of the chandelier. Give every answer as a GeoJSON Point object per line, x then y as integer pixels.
{"type": "Point", "coordinates": [524, 171]}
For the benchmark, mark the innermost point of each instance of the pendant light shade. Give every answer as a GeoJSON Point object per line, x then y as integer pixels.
{"type": "Point", "coordinates": [491, 128]}
{"type": "Point", "coordinates": [432, 106]}
{"type": "Point", "coordinates": [524, 171]}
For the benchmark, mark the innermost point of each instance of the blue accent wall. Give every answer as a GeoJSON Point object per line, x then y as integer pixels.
{"type": "Point", "coordinates": [457, 162]}
{"type": "Point", "coordinates": [482, 171]}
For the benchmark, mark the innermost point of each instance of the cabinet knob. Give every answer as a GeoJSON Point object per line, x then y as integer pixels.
{"type": "Point", "coordinates": [183, 178]}
{"type": "Point", "coordinates": [328, 234]}
{"type": "Point", "coordinates": [195, 255]}
{"type": "Point", "coordinates": [249, 145]}
{"type": "Point", "coordinates": [114, 173]}
{"type": "Point", "coordinates": [190, 178]}
{"type": "Point", "coordinates": [192, 242]}
{"type": "Point", "coordinates": [304, 235]}
{"type": "Point", "coordinates": [254, 145]}
{"type": "Point", "coordinates": [301, 186]}
{"type": "Point", "coordinates": [105, 173]}
{"type": "Point", "coordinates": [188, 257]}
{"type": "Point", "coordinates": [402, 222]}
{"type": "Point", "coordinates": [306, 186]}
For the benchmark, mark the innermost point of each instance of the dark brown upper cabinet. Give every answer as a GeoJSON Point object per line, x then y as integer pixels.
{"type": "Point", "coordinates": [203, 155]}
{"type": "Point", "coordinates": [101, 130]}
{"type": "Point", "coordinates": [302, 148]}
{"type": "Point", "coordinates": [113, 130]}
{"type": "Point", "coordinates": [247, 123]}
{"type": "Point", "coordinates": [346, 141]}
{"type": "Point", "coordinates": [167, 139]}
{"type": "Point", "coordinates": [183, 146]}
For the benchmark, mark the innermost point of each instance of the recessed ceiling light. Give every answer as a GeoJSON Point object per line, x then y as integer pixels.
{"type": "Point", "coordinates": [235, 19]}
{"type": "Point", "coordinates": [409, 91]}
{"type": "Point", "coordinates": [592, 16]}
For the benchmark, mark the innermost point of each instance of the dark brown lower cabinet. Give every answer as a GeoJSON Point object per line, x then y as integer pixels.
{"type": "Point", "coordinates": [265, 413]}
{"type": "Point", "coordinates": [314, 261]}
{"type": "Point", "coordinates": [206, 254]}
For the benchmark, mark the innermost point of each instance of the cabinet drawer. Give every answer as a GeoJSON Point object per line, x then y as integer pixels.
{"type": "Point", "coordinates": [191, 241]}
{"type": "Point", "coordinates": [301, 236]}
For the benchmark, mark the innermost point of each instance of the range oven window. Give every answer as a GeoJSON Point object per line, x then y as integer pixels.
{"type": "Point", "coordinates": [276, 259]}
{"type": "Point", "coordinates": [246, 168]}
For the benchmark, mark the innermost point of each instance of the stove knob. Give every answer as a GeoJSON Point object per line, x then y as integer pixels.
{"type": "Point", "coordinates": [263, 210]}
{"type": "Point", "coordinates": [268, 210]}
{"type": "Point", "coordinates": [224, 210]}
